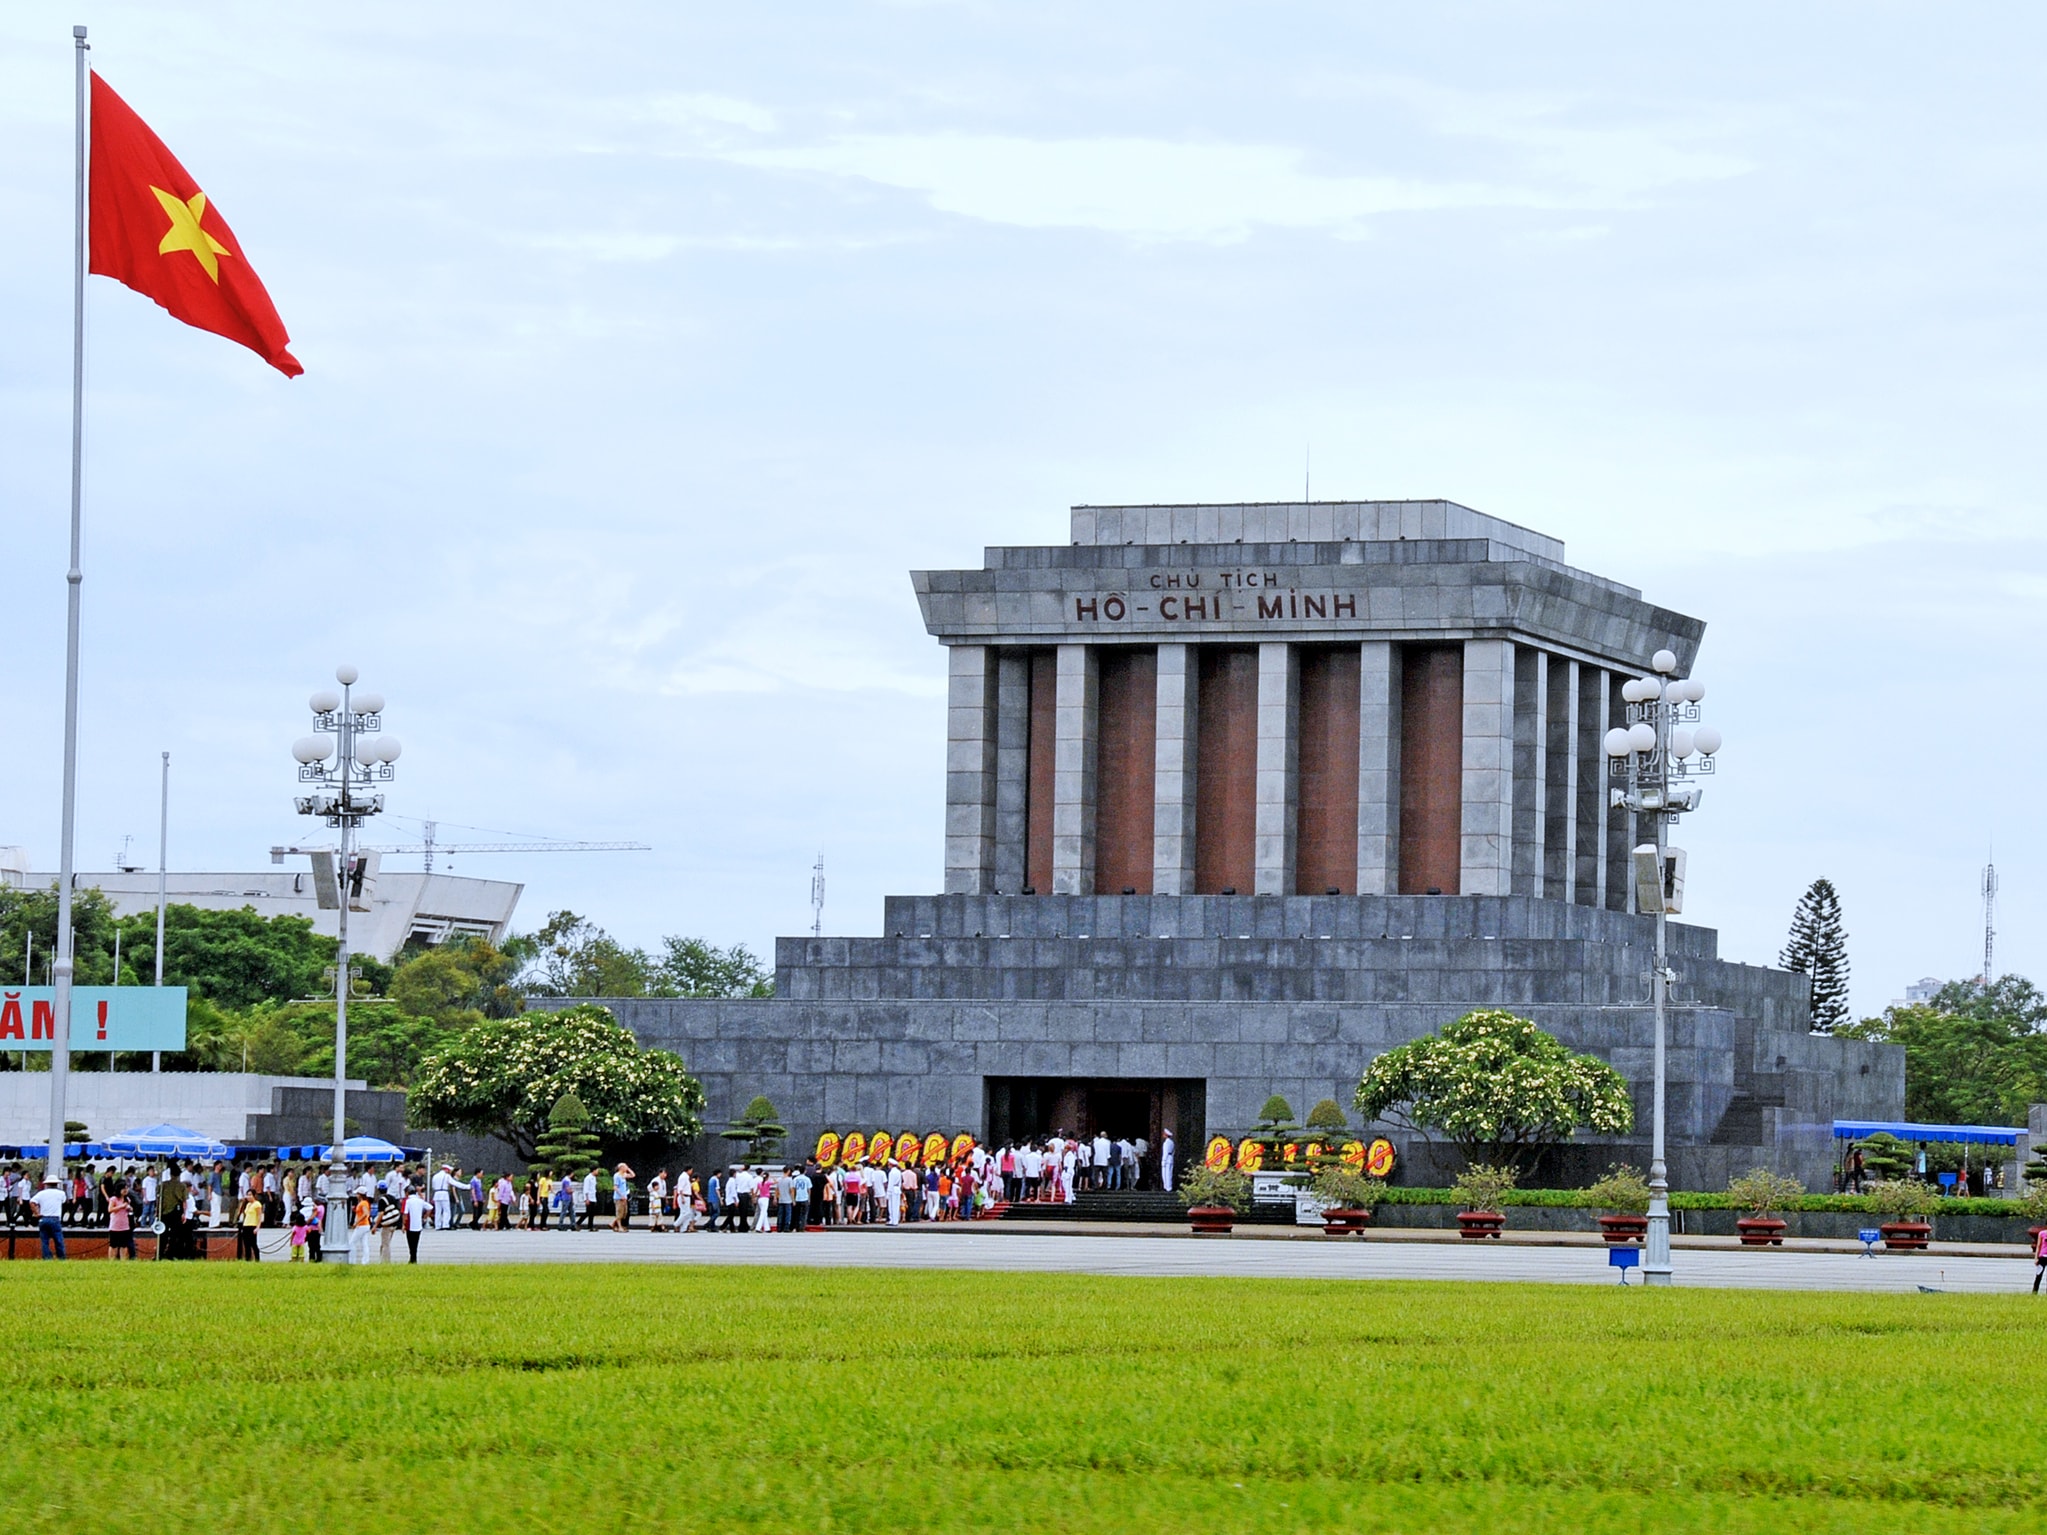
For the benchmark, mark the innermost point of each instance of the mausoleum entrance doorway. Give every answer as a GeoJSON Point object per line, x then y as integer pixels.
{"type": "Point", "coordinates": [1031, 1108]}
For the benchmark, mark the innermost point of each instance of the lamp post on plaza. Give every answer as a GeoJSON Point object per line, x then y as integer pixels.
{"type": "Point", "coordinates": [1656, 751]}
{"type": "Point", "coordinates": [349, 730]}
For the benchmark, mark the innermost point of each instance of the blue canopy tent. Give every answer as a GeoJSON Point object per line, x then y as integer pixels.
{"type": "Point", "coordinates": [167, 1141]}
{"type": "Point", "coordinates": [1907, 1130]}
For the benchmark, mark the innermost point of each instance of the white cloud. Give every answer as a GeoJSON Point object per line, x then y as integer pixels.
{"type": "Point", "coordinates": [1162, 189]}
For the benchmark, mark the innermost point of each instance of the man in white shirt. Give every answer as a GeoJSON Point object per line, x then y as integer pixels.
{"type": "Point", "coordinates": [415, 1221]}
{"type": "Point", "coordinates": [1101, 1160]}
{"type": "Point", "coordinates": [444, 1203]}
{"type": "Point", "coordinates": [149, 1197]}
{"type": "Point", "coordinates": [49, 1203]}
{"type": "Point", "coordinates": [588, 1212]}
{"type": "Point", "coordinates": [1166, 1161]}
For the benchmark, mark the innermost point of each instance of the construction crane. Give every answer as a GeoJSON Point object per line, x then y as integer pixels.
{"type": "Point", "coordinates": [430, 844]}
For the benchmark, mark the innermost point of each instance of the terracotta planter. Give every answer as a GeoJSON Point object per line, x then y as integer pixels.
{"type": "Point", "coordinates": [1345, 1223]}
{"type": "Point", "coordinates": [1907, 1236]}
{"type": "Point", "coordinates": [1761, 1230]}
{"type": "Point", "coordinates": [1619, 1229]}
{"type": "Point", "coordinates": [1477, 1225]}
{"type": "Point", "coordinates": [1211, 1220]}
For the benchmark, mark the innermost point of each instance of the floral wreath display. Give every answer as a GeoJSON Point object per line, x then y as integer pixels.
{"type": "Point", "coordinates": [852, 1148]}
{"type": "Point", "coordinates": [1375, 1160]}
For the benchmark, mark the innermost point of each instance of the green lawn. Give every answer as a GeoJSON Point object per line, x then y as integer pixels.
{"type": "Point", "coordinates": [575, 1398]}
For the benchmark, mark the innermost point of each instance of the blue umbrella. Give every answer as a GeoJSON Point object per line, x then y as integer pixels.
{"type": "Point", "coordinates": [365, 1148]}
{"type": "Point", "coordinates": [167, 1141]}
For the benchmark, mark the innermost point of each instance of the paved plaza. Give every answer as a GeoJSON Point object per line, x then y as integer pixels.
{"type": "Point", "coordinates": [1167, 1251]}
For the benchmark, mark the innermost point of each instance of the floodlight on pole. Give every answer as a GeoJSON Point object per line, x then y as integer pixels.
{"type": "Point", "coordinates": [1660, 747]}
{"type": "Point", "coordinates": [342, 760]}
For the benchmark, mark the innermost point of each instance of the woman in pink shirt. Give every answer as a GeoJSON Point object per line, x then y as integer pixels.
{"type": "Point", "coordinates": [120, 1225]}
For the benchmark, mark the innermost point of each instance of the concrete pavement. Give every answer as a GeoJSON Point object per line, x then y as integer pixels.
{"type": "Point", "coordinates": [1022, 1249]}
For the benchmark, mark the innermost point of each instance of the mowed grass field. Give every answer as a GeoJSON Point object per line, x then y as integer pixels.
{"type": "Point", "coordinates": [572, 1398]}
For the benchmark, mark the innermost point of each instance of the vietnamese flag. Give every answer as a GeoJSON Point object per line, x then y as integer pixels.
{"type": "Point", "coordinates": [154, 230]}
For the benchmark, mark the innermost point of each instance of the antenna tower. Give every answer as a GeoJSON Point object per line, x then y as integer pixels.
{"type": "Point", "coordinates": [817, 898]}
{"type": "Point", "coordinates": [1989, 920]}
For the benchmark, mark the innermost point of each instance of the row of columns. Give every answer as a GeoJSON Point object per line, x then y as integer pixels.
{"type": "Point", "coordinates": [1533, 813]}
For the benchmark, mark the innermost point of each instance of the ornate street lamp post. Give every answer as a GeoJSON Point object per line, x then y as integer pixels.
{"type": "Point", "coordinates": [1656, 752]}
{"type": "Point", "coordinates": [349, 729]}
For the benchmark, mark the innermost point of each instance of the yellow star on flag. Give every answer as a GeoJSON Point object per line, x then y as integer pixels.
{"type": "Point", "coordinates": [185, 233]}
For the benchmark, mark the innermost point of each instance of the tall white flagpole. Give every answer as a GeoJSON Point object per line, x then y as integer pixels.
{"type": "Point", "coordinates": [163, 863]}
{"type": "Point", "coordinates": [60, 1047]}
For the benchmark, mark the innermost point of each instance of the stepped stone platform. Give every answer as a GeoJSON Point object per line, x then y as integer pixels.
{"type": "Point", "coordinates": [1231, 998]}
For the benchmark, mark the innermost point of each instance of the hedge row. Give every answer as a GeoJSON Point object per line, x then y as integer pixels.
{"type": "Point", "coordinates": [1581, 1199]}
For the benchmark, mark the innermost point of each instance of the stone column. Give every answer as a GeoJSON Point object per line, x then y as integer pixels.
{"type": "Point", "coordinates": [1560, 845]}
{"type": "Point", "coordinates": [1531, 766]}
{"type": "Point", "coordinates": [1602, 820]}
{"type": "Point", "coordinates": [969, 771]}
{"type": "Point", "coordinates": [1378, 770]}
{"type": "Point", "coordinates": [1073, 774]}
{"type": "Point", "coordinates": [1173, 795]}
{"type": "Point", "coordinates": [1012, 769]}
{"type": "Point", "coordinates": [1278, 758]}
{"type": "Point", "coordinates": [1619, 825]}
{"type": "Point", "coordinates": [1487, 845]}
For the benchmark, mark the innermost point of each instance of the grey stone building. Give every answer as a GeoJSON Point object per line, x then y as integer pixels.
{"type": "Point", "coordinates": [1238, 797]}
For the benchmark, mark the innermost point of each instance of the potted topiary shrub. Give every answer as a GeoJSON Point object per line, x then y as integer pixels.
{"type": "Point", "coordinates": [1624, 1195]}
{"type": "Point", "coordinates": [1479, 1192]}
{"type": "Point", "coordinates": [1348, 1199]}
{"type": "Point", "coordinates": [1213, 1199]}
{"type": "Point", "coordinates": [1904, 1201]}
{"type": "Point", "coordinates": [1760, 1192]}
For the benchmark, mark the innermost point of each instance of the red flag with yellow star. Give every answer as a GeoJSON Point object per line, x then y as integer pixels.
{"type": "Point", "coordinates": [154, 230]}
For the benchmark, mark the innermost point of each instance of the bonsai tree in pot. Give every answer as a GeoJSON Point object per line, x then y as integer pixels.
{"type": "Point", "coordinates": [1760, 1192]}
{"type": "Point", "coordinates": [1274, 1132]}
{"type": "Point", "coordinates": [1479, 1192]}
{"type": "Point", "coordinates": [759, 1130]}
{"type": "Point", "coordinates": [1903, 1201]}
{"type": "Point", "coordinates": [1348, 1197]}
{"type": "Point", "coordinates": [1624, 1196]}
{"type": "Point", "coordinates": [1213, 1199]}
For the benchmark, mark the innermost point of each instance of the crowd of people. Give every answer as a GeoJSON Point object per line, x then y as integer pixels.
{"type": "Point", "coordinates": [281, 1207]}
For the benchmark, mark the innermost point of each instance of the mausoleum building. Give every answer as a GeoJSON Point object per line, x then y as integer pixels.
{"type": "Point", "coordinates": [1238, 797]}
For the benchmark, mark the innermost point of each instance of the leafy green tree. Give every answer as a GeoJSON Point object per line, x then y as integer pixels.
{"type": "Point", "coordinates": [693, 967]}
{"type": "Point", "coordinates": [567, 1144]}
{"type": "Point", "coordinates": [26, 913]}
{"type": "Point", "coordinates": [1496, 1087]}
{"type": "Point", "coordinates": [439, 984]}
{"type": "Point", "coordinates": [574, 957]}
{"type": "Point", "coordinates": [759, 1129]}
{"type": "Point", "coordinates": [503, 1076]}
{"type": "Point", "coordinates": [1818, 947]}
{"type": "Point", "coordinates": [385, 1044]}
{"type": "Point", "coordinates": [1974, 1055]}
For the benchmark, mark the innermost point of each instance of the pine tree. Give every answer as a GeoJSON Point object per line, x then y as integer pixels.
{"type": "Point", "coordinates": [566, 1145]}
{"type": "Point", "coordinates": [1819, 948]}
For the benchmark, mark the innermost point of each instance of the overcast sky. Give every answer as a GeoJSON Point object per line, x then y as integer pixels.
{"type": "Point", "coordinates": [648, 347]}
